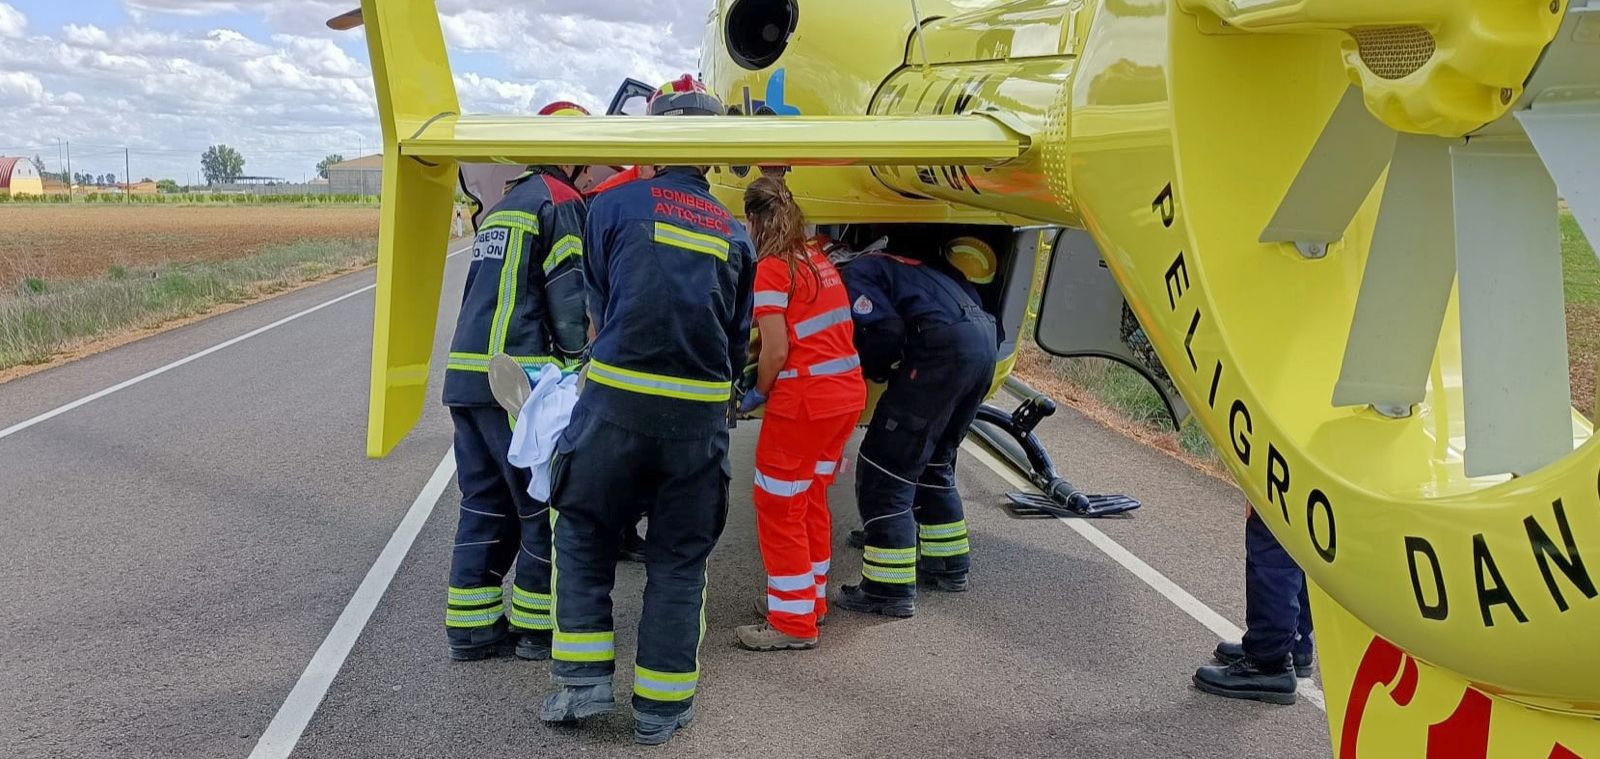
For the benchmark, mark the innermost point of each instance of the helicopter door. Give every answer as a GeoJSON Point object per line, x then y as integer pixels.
{"type": "Point", "coordinates": [632, 98]}
{"type": "Point", "coordinates": [1082, 313]}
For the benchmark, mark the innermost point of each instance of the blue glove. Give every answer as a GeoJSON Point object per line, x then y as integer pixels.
{"type": "Point", "coordinates": [752, 400]}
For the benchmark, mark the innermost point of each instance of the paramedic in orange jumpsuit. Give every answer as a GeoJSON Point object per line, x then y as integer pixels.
{"type": "Point", "coordinates": [809, 377]}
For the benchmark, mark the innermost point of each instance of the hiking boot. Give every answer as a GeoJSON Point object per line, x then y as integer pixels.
{"type": "Point", "coordinates": [654, 730]}
{"type": "Point", "coordinates": [479, 643]}
{"type": "Point", "coordinates": [944, 582]}
{"type": "Point", "coordinates": [1229, 652]}
{"type": "Point", "coordinates": [571, 703]}
{"type": "Point", "coordinates": [761, 611]}
{"type": "Point", "coordinates": [1249, 679]}
{"type": "Point", "coordinates": [534, 646]}
{"type": "Point", "coordinates": [765, 637]}
{"type": "Point", "coordinates": [852, 597]}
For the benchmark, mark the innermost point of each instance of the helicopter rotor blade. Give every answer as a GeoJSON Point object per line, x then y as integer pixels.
{"type": "Point", "coordinates": [1405, 286]}
{"type": "Point", "coordinates": [1515, 383]}
{"type": "Point", "coordinates": [345, 21]}
{"type": "Point", "coordinates": [1337, 176]}
{"type": "Point", "coordinates": [1566, 138]}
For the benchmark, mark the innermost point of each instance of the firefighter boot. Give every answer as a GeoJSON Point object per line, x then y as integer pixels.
{"type": "Point", "coordinates": [655, 729]}
{"type": "Point", "coordinates": [1229, 652]}
{"type": "Point", "coordinates": [534, 645]}
{"type": "Point", "coordinates": [475, 643]}
{"type": "Point", "coordinates": [571, 703]}
{"type": "Point", "coordinates": [1267, 681]}
{"type": "Point", "coordinates": [765, 637]}
{"type": "Point", "coordinates": [852, 597]}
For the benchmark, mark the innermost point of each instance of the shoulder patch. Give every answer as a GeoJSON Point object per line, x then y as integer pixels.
{"type": "Point", "coordinates": [491, 243]}
{"type": "Point", "coordinates": [863, 305]}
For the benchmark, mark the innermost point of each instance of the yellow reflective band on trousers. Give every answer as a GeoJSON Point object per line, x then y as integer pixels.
{"type": "Point", "coordinates": [567, 247]}
{"type": "Point", "coordinates": [474, 596]}
{"type": "Point", "coordinates": [659, 384]}
{"type": "Point", "coordinates": [896, 566]}
{"type": "Point", "coordinates": [480, 617]}
{"type": "Point", "coordinates": [583, 646]}
{"type": "Point", "coordinates": [517, 220]}
{"type": "Point", "coordinates": [507, 303]}
{"type": "Point", "coordinates": [530, 611]}
{"type": "Point", "coordinates": [664, 686]}
{"type": "Point", "coordinates": [941, 540]}
{"type": "Point", "coordinates": [699, 242]}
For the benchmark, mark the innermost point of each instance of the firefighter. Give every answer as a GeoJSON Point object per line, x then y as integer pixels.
{"type": "Point", "coordinates": [1277, 645]}
{"type": "Point", "coordinates": [920, 328]}
{"type": "Point", "coordinates": [524, 297]}
{"type": "Point", "coordinates": [669, 274]}
{"type": "Point", "coordinates": [809, 378]}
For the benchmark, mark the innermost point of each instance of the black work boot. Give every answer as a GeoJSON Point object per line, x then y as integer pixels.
{"type": "Point", "coordinates": [534, 645]}
{"type": "Point", "coordinates": [934, 573]}
{"type": "Point", "coordinates": [655, 729]}
{"type": "Point", "coordinates": [852, 597]}
{"type": "Point", "coordinates": [478, 643]}
{"type": "Point", "coordinates": [1270, 682]}
{"type": "Point", "coordinates": [1229, 652]}
{"type": "Point", "coordinates": [857, 539]}
{"type": "Point", "coordinates": [571, 703]}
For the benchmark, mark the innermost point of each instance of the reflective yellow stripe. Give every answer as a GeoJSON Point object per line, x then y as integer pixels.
{"type": "Point", "coordinates": [659, 384]}
{"type": "Point", "coordinates": [474, 595]}
{"type": "Point", "coordinates": [699, 242]}
{"type": "Point", "coordinates": [518, 220]}
{"type": "Point", "coordinates": [664, 686]}
{"type": "Point", "coordinates": [472, 617]}
{"type": "Point", "coordinates": [508, 293]}
{"type": "Point", "coordinates": [529, 599]}
{"type": "Point", "coordinates": [949, 530]}
{"type": "Point", "coordinates": [567, 247]}
{"type": "Point", "coordinates": [948, 548]}
{"type": "Point", "coordinates": [899, 576]}
{"type": "Point", "coordinates": [479, 362]}
{"type": "Point", "coordinates": [582, 647]}
{"type": "Point", "coordinates": [889, 555]}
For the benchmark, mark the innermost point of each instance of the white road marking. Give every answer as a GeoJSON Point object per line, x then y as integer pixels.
{"type": "Point", "coordinates": [284, 732]}
{"type": "Point", "coordinates": [125, 384]}
{"type": "Point", "coordinates": [1205, 615]}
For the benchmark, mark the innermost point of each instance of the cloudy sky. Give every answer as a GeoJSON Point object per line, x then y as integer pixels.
{"type": "Point", "coordinates": [166, 78]}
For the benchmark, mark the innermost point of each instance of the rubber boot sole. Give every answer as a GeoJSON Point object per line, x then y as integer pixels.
{"type": "Point", "coordinates": [493, 650]}
{"type": "Point", "coordinates": [532, 651]}
{"type": "Point", "coordinates": [1265, 696]}
{"type": "Point", "coordinates": [660, 735]}
{"type": "Point", "coordinates": [582, 712]}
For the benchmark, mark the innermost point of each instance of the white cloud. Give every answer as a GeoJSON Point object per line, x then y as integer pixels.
{"type": "Point", "coordinates": [12, 23]}
{"type": "Point", "coordinates": [286, 97]}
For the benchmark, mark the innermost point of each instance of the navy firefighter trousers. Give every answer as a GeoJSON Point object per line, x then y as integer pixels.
{"type": "Point", "coordinates": [905, 474]}
{"type": "Point", "coordinates": [500, 524]}
{"type": "Point", "coordinates": [1277, 611]}
{"type": "Point", "coordinates": [603, 477]}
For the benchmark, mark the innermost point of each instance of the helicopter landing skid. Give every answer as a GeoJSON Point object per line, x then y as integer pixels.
{"type": "Point", "coordinates": [1011, 435]}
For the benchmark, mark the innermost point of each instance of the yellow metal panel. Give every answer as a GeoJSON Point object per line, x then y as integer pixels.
{"type": "Point", "coordinates": [692, 140]}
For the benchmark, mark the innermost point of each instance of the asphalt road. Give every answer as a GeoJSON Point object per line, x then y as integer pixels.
{"type": "Point", "coordinates": [174, 553]}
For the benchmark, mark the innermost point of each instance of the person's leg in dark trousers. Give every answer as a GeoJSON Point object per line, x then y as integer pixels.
{"type": "Point", "coordinates": [690, 510]}
{"type": "Point", "coordinates": [597, 477]}
{"type": "Point", "coordinates": [487, 535]}
{"type": "Point", "coordinates": [1261, 668]}
{"type": "Point", "coordinates": [1273, 587]}
{"type": "Point", "coordinates": [944, 553]}
{"type": "Point", "coordinates": [1304, 643]}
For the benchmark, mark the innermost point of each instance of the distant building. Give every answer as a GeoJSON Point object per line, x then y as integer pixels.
{"type": "Point", "coordinates": [18, 176]}
{"type": "Point", "coordinates": [359, 176]}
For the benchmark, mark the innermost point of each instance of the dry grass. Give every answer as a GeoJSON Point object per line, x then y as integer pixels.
{"type": "Point", "coordinates": [78, 242]}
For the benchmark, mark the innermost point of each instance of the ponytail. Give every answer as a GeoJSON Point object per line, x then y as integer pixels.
{"type": "Point", "coordinates": [778, 229]}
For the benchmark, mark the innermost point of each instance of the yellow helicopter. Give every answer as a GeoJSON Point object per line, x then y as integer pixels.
{"type": "Point", "coordinates": [1334, 219]}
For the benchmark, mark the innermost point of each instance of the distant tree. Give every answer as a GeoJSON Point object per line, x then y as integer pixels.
{"type": "Point", "coordinates": [111, 179]}
{"type": "Point", "coordinates": [100, 180]}
{"type": "Point", "coordinates": [38, 163]}
{"type": "Point", "coordinates": [146, 180]}
{"type": "Point", "coordinates": [221, 163]}
{"type": "Point", "coordinates": [166, 185]}
{"type": "Point", "coordinates": [322, 166]}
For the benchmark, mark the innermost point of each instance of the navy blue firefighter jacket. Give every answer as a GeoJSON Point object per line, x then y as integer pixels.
{"type": "Point", "coordinates": [669, 276]}
{"type": "Point", "coordinates": [524, 293]}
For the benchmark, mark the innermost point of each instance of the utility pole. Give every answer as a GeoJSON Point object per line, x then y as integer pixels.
{"type": "Point", "coordinates": [127, 177]}
{"type": "Point", "coordinates": [69, 171]}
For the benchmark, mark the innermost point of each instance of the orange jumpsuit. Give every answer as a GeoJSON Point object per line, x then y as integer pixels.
{"type": "Point", "coordinates": [811, 411]}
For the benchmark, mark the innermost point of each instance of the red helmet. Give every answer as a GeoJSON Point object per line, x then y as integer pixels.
{"type": "Point", "coordinates": [684, 96]}
{"type": "Point", "coordinates": [563, 108]}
